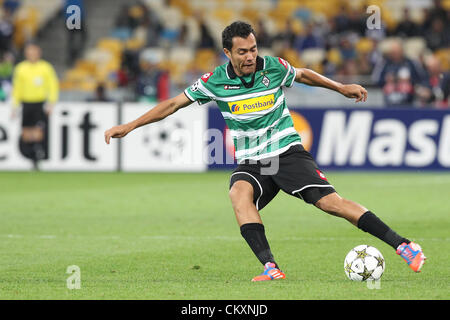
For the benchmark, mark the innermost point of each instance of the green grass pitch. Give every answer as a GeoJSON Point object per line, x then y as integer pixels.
{"type": "Point", "coordinates": [174, 236]}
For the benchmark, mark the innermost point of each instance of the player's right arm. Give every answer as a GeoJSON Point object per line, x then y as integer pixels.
{"type": "Point", "coordinates": [159, 112]}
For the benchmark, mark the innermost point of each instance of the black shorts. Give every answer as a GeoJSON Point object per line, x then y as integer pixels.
{"type": "Point", "coordinates": [297, 175]}
{"type": "Point", "coordinates": [33, 114]}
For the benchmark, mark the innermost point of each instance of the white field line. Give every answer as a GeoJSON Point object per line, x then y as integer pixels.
{"type": "Point", "coordinates": [189, 238]}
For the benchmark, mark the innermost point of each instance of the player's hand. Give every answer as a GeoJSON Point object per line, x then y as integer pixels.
{"type": "Point", "coordinates": [49, 109]}
{"type": "Point", "coordinates": [354, 91]}
{"type": "Point", "coordinates": [14, 114]}
{"type": "Point", "coordinates": [116, 132]}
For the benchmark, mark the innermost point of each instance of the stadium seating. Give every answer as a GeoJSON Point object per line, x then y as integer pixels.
{"type": "Point", "coordinates": [216, 14]}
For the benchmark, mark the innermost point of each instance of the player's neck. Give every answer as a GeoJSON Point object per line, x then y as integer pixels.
{"type": "Point", "coordinates": [240, 74]}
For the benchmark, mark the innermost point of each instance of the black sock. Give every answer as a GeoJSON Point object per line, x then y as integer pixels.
{"type": "Point", "coordinates": [255, 236]}
{"type": "Point", "coordinates": [370, 223]}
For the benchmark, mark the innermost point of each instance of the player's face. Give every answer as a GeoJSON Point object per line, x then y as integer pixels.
{"type": "Point", "coordinates": [243, 55]}
{"type": "Point", "coordinates": [32, 53]}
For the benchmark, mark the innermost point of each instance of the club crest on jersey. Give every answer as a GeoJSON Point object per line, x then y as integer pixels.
{"type": "Point", "coordinates": [252, 105]}
{"type": "Point", "coordinates": [206, 77]}
{"type": "Point", "coordinates": [265, 81]}
{"type": "Point", "coordinates": [231, 87]}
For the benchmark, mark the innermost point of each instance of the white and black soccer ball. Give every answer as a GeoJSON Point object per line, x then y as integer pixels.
{"type": "Point", "coordinates": [364, 263]}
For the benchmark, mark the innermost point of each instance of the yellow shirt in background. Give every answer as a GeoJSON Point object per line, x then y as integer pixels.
{"type": "Point", "coordinates": [34, 82]}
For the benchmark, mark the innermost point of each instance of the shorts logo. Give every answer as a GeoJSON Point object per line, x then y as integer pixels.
{"type": "Point", "coordinates": [321, 175]}
{"type": "Point", "coordinates": [206, 77]}
{"type": "Point", "coordinates": [252, 105]}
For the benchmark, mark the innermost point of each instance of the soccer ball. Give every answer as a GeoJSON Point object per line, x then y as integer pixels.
{"type": "Point", "coordinates": [364, 263]}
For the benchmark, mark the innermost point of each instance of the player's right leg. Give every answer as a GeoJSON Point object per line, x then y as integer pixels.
{"type": "Point", "coordinates": [33, 124]}
{"type": "Point", "coordinates": [248, 193]}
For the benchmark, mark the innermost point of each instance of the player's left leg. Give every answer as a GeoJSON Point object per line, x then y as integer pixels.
{"type": "Point", "coordinates": [369, 222]}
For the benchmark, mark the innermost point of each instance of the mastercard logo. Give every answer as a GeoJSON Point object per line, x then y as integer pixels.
{"type": "Point", "coordinates": [301, 125]}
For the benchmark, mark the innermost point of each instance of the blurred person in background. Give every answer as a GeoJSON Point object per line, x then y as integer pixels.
{"type": "Point", "coordinates": [35, 84]}
{"type": "Point", "coordinates": [407, 27]}
{"type": "Point", "coordinates": [439, 35]}
{"type": "Point", "coordinates": [100, 94]}
{"type": "Point", "coordinates": [435, 90]}
{"type": "Point", "coordinates": [11, 5]}
{"type": "Point", "coordinates": [264, 36]}
{"type": "Point", "coordinates": [397, 75]}
{"type": "Point", "coordinates": [152, 83]}
{"type": "Point", "coordinates": [6, 30]}
{"type": "Point", "coordinates": [436, 12]}
{"type": "Point", "coordinates": [287, 35]}
{"type": "Point", "coordinates": [6, 71]}
{"type": "Point", "coordinates": [206, 40]}
{"type": "Point", "coordinates": [309, 39]}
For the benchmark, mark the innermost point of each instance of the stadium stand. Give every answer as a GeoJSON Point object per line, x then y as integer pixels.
{"type": "Point", "coordinates": [183, 38]}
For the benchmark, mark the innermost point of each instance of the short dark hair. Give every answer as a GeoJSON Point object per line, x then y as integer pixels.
{"type": "Point", "coordinates": [236, 29]}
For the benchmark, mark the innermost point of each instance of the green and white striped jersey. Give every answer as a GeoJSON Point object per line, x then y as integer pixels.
{"type": "Point", "coordinates": [253, 106]}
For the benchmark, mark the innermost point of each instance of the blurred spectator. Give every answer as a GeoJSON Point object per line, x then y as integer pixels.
{"type": "Point", "coordinates": [350, 19]}
{"type": "Point", "coordinates": [436, 87]}
{"type": "Point", "coordinates": [206, 40]}
{"type": "Point", "coordinates": [397, 75]}
{"type": "Point", "coordinates": [152, 83]}
{"type": "Point", "coordinates": [123, 77]}
{"type": "Point", "coordinates": [308, 40]}
{"type": "Point", "coordinates": [100, 94]}
{"type": "Point", "coordinates": [123, 18]}
{"type": "Point", "coordinates": [122, 29]}
{"type": "Point", "coordinates": [341, 21]}
{"type": "Point", "coordinates": [154, 29]}
{"type": "Point", "coordinates": [264, 38]}
{"type": "Point", "coordinates": [398, 90]}
{"type": "Point", "coordinates": [11, 5]}
{"type": "Point", "coordinates": [76, 39]}
{"type": "Point", "coordinates": [6, 30]}
{"type": "Point", "coordinates": [182, 39]}
{"type": "Point", "coordinates": [393, 63]}
{"type": "Point", "coordinates": [438, 36]}
{"type": "Point", "coordinates": [287, 35]}
{"type": "Point", "coordinates": [346, 48]}
{"type": "Point", "coordinates": [436, 12]}
{"type": "Point", "coordinates": [407, 27]}
{"type": "Point", "coordinates": [6, 71]}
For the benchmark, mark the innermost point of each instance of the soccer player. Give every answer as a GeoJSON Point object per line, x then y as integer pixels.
{"type": "Point", "coordinates": [248, 92]}
{"type": "Point", "coordinates": [35, 84]}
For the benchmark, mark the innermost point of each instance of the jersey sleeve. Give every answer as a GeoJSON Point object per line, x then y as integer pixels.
{"type": "Point", "coordinates": [198, 91]}
{"type": "Point", "coordinates": [287, 72]}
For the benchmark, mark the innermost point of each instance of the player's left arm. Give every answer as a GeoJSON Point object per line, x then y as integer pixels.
{"type": "Point", "coordinates": [312, 78]}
